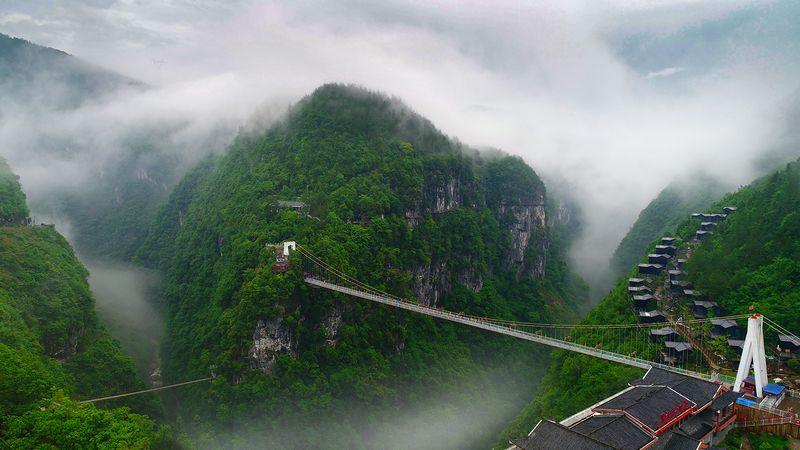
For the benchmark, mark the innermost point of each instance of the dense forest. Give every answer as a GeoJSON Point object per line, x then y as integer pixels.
{"type": "Point", "coordinates": [53, 353]}
{"type": "Point", "coordinates": [749, 261]}
{"type": "Point", "coordinates": [663, 215]}
{"type": "Point", "coordinates": [386, 198]}
{"type": "Point", "coordinates": [389, 200]}
{"type": "Point", "coordinates": [13, 209]}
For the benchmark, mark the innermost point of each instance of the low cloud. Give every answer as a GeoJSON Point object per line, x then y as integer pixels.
{"type": "Point", "coordinates": [665, 72]}
{"type": "Point", "coordinates": [558, 83]}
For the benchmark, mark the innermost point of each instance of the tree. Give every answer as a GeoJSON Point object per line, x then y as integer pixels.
{"type": "Point", "coordinates": [60, 423]}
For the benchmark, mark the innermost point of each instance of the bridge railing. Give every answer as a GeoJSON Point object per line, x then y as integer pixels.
{"type": "Point", "coordinates": [509, 330]}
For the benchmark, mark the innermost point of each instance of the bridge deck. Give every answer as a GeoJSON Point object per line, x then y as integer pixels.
{"type": "Point", "coordinates": [510, 331]}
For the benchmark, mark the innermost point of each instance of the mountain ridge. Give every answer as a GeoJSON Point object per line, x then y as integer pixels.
{"type": "Point", "coordinates": [392, 202]}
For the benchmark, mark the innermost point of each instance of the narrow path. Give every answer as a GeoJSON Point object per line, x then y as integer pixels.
{"type": "Point", "coordinates": [746, 445]}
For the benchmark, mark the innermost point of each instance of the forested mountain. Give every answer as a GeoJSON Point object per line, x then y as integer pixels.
{"type": "Point", "coordinates": [668, 210]}
{"type": "Point", "coordinates": [751, 259]}
{"type": "Point", "coordinates": [61, 115]}
{"type": "Point", "coordinates": [53, 352]}
{"type": "Point", "coordinates": [389, 200]}
{"type": "Point", "coordinates": [30, 73]}
{"type": "Point", "coordinates": [13, 209]}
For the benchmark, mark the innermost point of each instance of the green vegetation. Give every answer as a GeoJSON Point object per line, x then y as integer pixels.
{"type": "Point", "coordinates": [663, 215]}
{"type": "Point", "coordinates": [750, 260]}
{"type": "Point", "coordinates": [13, 208]}
{"type": "Point", "coordinates": [764, 441]}
{"type": "Point", "coordinates": [157, 250]}
{"type": "Point", "coordinates": [733, 441]}
{"type": "Point", "coordinates": [391, 201]}
{"type": "Point", "coordinates": [51, 350]}
{"type": "Point", "coordinates": [59, 422]}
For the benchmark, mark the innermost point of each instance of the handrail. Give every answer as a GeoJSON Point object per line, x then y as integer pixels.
{"type": "Point", "coordinates": [508, 330]}
{"type": "Point", "coordinates": [752, 423]}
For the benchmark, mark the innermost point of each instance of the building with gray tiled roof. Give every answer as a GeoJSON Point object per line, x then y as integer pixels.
{"type": "Point", "coordinates": [661, 411]}
{"type": "Point", "coordinates": [664, 334]}
{"type": "Point", "coordinates": [618, 431]}
{"type": "Point", "coordinates": [549, 435]}
{"type": "Point", "coordinates": [666, 250]}
{"type": "Point", "coordinates": [651, 269]}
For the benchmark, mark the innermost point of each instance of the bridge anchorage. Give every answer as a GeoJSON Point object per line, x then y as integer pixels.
{"type": "Point", "coordinates": [637, 345]}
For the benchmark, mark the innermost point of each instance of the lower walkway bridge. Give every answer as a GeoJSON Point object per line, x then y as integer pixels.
{"type": "Point", "coordinates": [633, 344]}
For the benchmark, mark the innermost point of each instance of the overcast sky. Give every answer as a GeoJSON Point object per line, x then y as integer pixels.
{"type": "Point", "coordinates": [618, 97]}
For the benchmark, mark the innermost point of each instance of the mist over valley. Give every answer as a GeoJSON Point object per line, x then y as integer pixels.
{"type": "Point", "coordinates": [506, 161]}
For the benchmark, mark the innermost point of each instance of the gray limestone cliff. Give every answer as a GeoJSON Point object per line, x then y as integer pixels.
{"type": "Point", "coordinates": [517, 194]}
{"type": "Point", "coordinates": [332, 323]}
{"type": "Point", "coordinates": [437, 198]}
{"type": "Point", "coordinates": [528, 235]}
{"type": "Point", "coordinates": [432, 281]}
{"type": "Point", "coordinates": [270, 339]}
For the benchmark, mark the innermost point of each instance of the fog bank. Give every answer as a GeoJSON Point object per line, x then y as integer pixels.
{"type": "Point", "coordinates": [617, 98]}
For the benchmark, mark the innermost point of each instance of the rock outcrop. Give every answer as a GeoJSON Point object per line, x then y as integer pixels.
{"type": "Point", "coordinates": [436, 199]}
{"type": "Point", "coordinates": [332, 324]}
{"type": "Point", "coordinates": [432, 281]}
{"type": "Point", "coordinates": [270, 339]}
{"type": "Point", "coordinates": [63, 349]}
{"type": "Point", "coordinates": [564, 214]}
{"type": "Point", "coordinates": [528, 235]}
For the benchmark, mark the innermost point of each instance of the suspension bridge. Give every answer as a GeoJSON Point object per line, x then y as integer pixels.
{"type": "Point", "coordinates": [630, 344]}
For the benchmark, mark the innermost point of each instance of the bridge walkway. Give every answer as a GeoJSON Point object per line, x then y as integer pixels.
{"type": "Point", "coordinates": [510, 330]}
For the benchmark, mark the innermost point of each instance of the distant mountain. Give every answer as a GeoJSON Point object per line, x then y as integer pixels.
{"type": "Point", "coordinates": [119, 176]}
{"type": "Point", "coordinates": [671, 207]}
{"type": "Point", "coordinates": [32, 74]}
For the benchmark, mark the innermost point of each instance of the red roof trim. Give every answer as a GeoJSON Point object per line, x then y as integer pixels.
{"type": "Point", "coordinates": [672, 421]}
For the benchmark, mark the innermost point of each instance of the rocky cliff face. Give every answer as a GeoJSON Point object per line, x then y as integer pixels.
{"type": "Point", "coordinates": [332, 324]}
{"type": "Point", "coordinates": [528, 234]}
{"type": "Point", "coordinates": [431, 281]}
{"type": "Point", "coordinates": [63, 349]}
{"type": "Point", "coordinates": [437, 198]}
{"type": "Point", "coordinates": [527, 231]}
{"type": "Point", "coordinates": [564, 214]}
{"type": "Point", "coordinates": [269, 340]}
